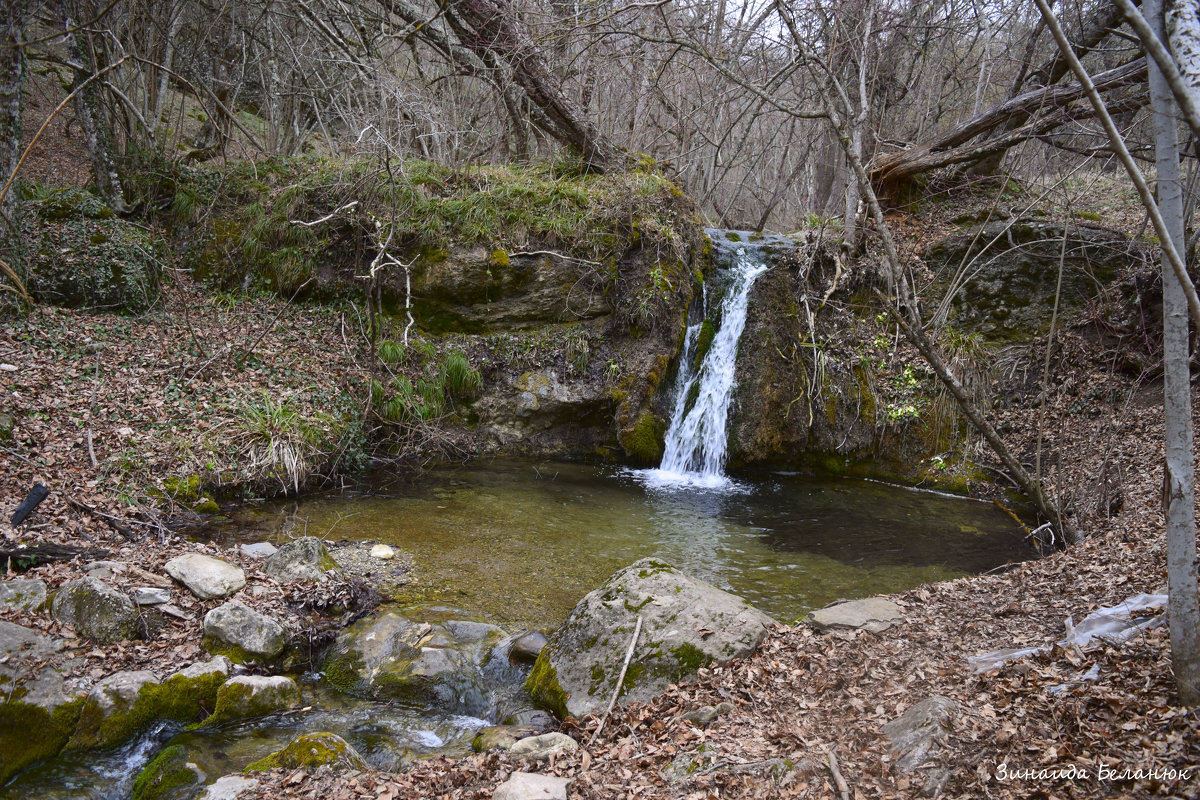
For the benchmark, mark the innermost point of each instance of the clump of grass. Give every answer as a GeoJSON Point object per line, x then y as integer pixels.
{"type": "Point", "coordinates": [279, 443]}
{"type": "Point", "coordinates": [390, 352]}
{"type": "Point", "coordinates": [460, 378]}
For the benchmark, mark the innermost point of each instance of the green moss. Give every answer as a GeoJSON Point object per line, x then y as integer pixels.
{"type": "Point", "coordinates": [184, 490]}
{"type": "Point", "coordinates": [219, 647]}
{"type": "Point", "coordinates": [1088, 215]}
{"type": "Point", "coordinates": [310, 751]}
{"type": "Point", "coordinates": [29, 733]}
{"type": "Point", "coordinates": [689, 657]}
{"type": "Point", "coordinates": [237, 700]}
{"type": "Point", "coordinates": [207, 506]}
{"type": "Point", "coordinates": [703, 343]}
{"type": "Point", "coordinates": [499, 258]}
{"type": "Point", "coordinates": [644, 440]}
{"type": "Point", "coordinates": [543, 686]}
{"type": "Point", "coordinates": [166, 776]}
{"type": "Point", "coordinates": [343, 671]}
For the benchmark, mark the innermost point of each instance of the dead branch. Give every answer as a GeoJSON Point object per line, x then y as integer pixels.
{"type": "Point", "coordinates": [637, 630]}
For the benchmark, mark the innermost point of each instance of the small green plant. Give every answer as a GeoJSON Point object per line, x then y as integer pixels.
{"type": "Point", "coordinates": [461, 379]}
{"type": "Point", "coordinates": [280, 443]}
{"type": "Point", "coordinates": [613, 371]}
{"type": "Point", "coordinates": [390, 352]}
{"type": "Point", "coordinates": [578, 350]}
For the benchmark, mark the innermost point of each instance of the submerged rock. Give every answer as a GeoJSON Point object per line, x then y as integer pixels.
{"type": "Point", "coordinates": [27, 594]}
{"type": "Point", "coordinates": [310, 751]}
{"type": "Point", "coordinates": [390, 656]}
{"type": "Point", "coordinates": [36, 715]}
{"type": "Point", "coordinates": [871, 614]}
{"type": "Point", "coordinates": [686, 624]}
{"type": "Point", "coordinates": [170, 776]}
{"type": "Point", "coordinates": [301, 559]}
{"type": "Point", "coordinates": [242, 634]}
{"type": "Point", "coordinates": [206, 577]}
{"type": "Point", "coordinates": [496, 737]}
{"type": "Point", "coordinates": [254, 696]}
{"type": "Point", "coordinates": [96, 611]}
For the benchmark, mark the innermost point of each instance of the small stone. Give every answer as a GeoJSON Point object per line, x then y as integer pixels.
{"type": "Point", "coordinates": [532, 786]}
{"type": "Point", "coordinates": [310, 751]}
{"type": "Point", "coordinates": [871, 614]}
{"type": "Point", "coordinates": [28, 594]}
{"type": "Point", "coordinates": [540, 748]}
{"type": "Point", "coordinates": [229, 787]}
{"type": "Point", "coordinates": [704, 715]}
{"type": "Point", "coordinates": [125, 432]}
{"type": "Point", "coordinates": [241, 633]}
{"type": "Point", "coordinates": [528, 646]}
{"type": "Point", "coordinates": [495, 737]}
{"type": "Point", "coordinates": [259, 550]}
{"type": "Point", "coordinates": [208, 578]}
{"type": "Point", "coordinates": [96, 610]}
{"type": "Point", "coordinates": [151, 596]}
{"type": "Point", "coordinates": [8, 367]}
{"type": "Point", "coordinates": [383, 552]}
{"type": "Point", "coordinates": [105, 570]}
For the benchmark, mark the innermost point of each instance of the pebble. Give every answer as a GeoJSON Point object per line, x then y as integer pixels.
{"type": "Point", "coordinates": [150, 596]}
{"type": "Point", "coordinates": [383, 552]}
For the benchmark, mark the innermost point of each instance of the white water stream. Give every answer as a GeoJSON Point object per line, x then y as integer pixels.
{"type": "Point", "coordinates": [697, 438]}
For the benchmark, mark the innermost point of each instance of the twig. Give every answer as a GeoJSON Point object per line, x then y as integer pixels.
{"type": "Point", "coordinates": [115, 523]}
{"type": "Point", "coordinates": [92, 414]}
{"type": "Point", "coordinates": [843, 788]}
{"type": "Point", "coordinates": [249, 350]}
{"type": "Point", "coordinates": [637, 629]}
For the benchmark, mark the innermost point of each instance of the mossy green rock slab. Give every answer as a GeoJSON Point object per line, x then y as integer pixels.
{"type": "Point", "coordinates": [28, 594]}
{"type": "Point", "coordinates": [310, 751]}
{"type": "Point", "coordinates": [254, 696]}
{"type": "Point", "coordinates": [36, 714]}
{"type": "Point", "coordinates": [686, 623]}
{"type": "Point", "coordinates": [96, 610]}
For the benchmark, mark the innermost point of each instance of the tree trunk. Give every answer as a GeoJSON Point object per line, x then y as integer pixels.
{"type": "Point", "coordinates": [494, 29]}
{"type": "Point", "coordinates": [12, 73]}
{"type": "Point", "coordinates": [91, 118]}
{"type": "Point", "coordinates": [1178, 482]}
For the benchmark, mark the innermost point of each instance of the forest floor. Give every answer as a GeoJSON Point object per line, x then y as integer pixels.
{"type": "Point", "coordinates": [120, 404]}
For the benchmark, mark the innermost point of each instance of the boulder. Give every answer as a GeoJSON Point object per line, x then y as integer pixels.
{"type": "Point", "coordinates": [540, 748]}
{"type": "Point", "coordinates": [206, 577]}
{"type": "Point", "coordinates": [310, 751]}
{"type": "Point", "coordinates": [115, 709]}
{"type": "Point", "coordinates": [96, 610]}
{"type": "Point", "coordinates": [27, 594]}
{"type": "Point", "coordinates": [532, 786]}
{"type": "Point", "coordinates": [686, 624]}
{"type": "Point", "coordinates": [871, 614]}
{"type": "Point", "coordinates": [914, 739]}
{"type": "Point", "coordinates": [170, 776]}
{"type": "Point", "coordinates": [242, 634]}
{"type": "Point", "coordinates": [36, 715]}
{"type": "Point", "coordinates": [301, 559]}
{"type": "Point", "coordinates": [390, 656]}
{"type": "Point", "coordinates": [253, 696]}
{"type": "Point", "coordinates": [259, 550]}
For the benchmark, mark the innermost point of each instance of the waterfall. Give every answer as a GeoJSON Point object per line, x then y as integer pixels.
{"type": "Point", "coordinates": [696, 440]}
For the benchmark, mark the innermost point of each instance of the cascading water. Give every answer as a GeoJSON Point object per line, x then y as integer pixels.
{"type": "Point", "coordinates": [696, 440]}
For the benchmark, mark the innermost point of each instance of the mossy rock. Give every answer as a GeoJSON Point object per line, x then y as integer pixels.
{"type": "Point", "coordinates": [30, 733]}
{"type": "Point", "coordinates": [644, 439]}
{"type": "Point", "coordinates": [104, 264]}
{"type": "Point", "coordinates": [704, 341]}
{"type": "Point", "coordinates": [170, 776]}
{"type": "Point", "coordinates": [310, 751]}
{"type": "Point", "coordinates": [70, 203]}
{"type": "Point", "coordinates": [248, 696]}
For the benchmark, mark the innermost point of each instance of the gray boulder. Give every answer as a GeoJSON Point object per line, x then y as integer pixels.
{"type": "Point", "coordinates": [301, 559]}
{"type": "Point", "coordinates": [254, 696]}
{"type": "Point", "coordinates": [36, 715]}
{"type": "Point", "coordinates": [242, 634]}
{"type": "Point", "coordinates": [686, 624]}
{"type": "Point", "coordinates": [528, 646]}
{"type": "Point", "coordinates": [206, 577]}
{"type": "Point", "coordinates": [871, 614]}
{"type": "Point", "coordinates": [541, 748]}
{"type": "Point", "coordinates": [229, 787]}
{"type": "Point", "coordinates": [27, 594]}
{"type": "Point", "coordinates": [96, 610]}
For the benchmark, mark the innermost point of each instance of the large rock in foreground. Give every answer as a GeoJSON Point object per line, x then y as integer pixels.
{"type": "Point", "coordinates": [686, 623]}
